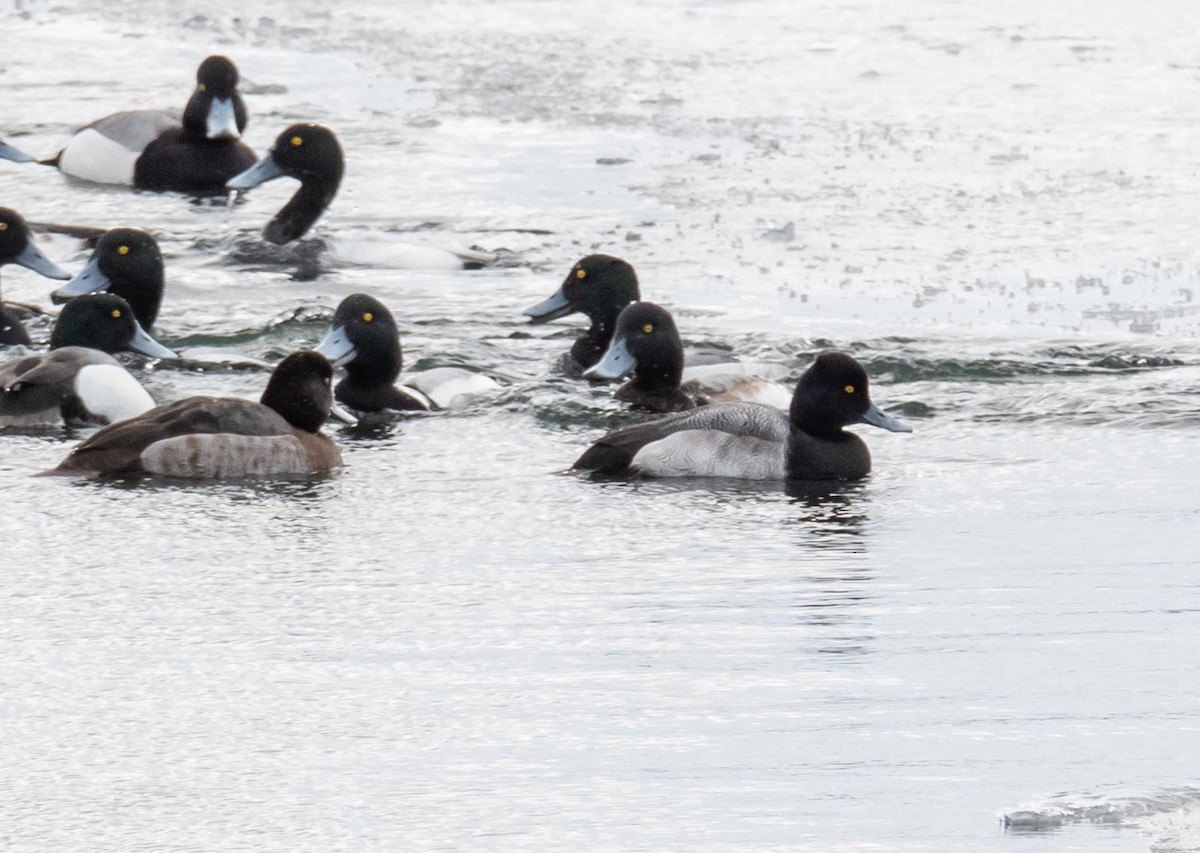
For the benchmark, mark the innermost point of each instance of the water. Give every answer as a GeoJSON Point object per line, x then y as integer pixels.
{"type": "Point", "coordinates": [451, 645]}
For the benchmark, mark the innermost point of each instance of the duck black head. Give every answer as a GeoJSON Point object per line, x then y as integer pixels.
{"type": "Point", "coordinates": [646, 344]}
{"type": "Point", "coordinates": [215, 110]}
{"type": "Point", "coordinates": [126, 262]}
{"type": "Point", "coordinates": [105, 322]}
{"type": "Point", "coordinates": [300, 390]}
{"type": "Point", "coordinates": [365, 339]}
{"type": "Point", "coordinates": [17, 246]}
{"type": "Point", "coordinates": [834, 393]}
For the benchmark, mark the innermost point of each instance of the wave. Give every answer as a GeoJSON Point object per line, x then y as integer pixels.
{"type": "Point", "coordinates": [1170, 817]}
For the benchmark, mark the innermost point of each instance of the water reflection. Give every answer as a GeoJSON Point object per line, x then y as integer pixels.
{"type": "Point", "coordinates": [833, 589]}
{"type": "Point", "coordinates": [300, 487]}
{"type": "Point", "coordinates": [832, 514]}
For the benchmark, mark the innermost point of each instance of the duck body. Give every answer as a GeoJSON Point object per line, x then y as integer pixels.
{"type": "Point", "coordinates": [160, 151]}
{"type": "Point", "coordinates": [755, 441]}
{"type": "Point", "coordinates": [74, 385]}
{"type": "Point", "coordinates": [222, 437]}
{"type": "Point", "coordinates": [79, 382]}
{"type": "Point", "coordinates": [365, 340]}
{"type": "Point", "coordinates": [646, 343]}
{"type": "Point", "coordinates": [312, 155]}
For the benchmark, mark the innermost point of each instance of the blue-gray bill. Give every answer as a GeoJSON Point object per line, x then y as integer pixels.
{"type": "Point", "coordinates": [91, 279]}
{"type": "Point", "coordinates": [617, 362]}
{"type": "Point", "coordinates": [146, 345]}
{"type": "Point", "coordinates": [32, 258]}
{"type": "Point", "coordinates": [336, 347]}
{"type": "Point", "coordinates": [341, 414]}
{"type": "Point", "coordinates": [222, 120]}
{"type": "Point", "coordinates": [264, 170]}
{"type": "Point", "coordinates": [875, 417]}
{"type": "Point", "coordinates": [9, 152]}
{"type": "Point", "coordinates": [550, 309]}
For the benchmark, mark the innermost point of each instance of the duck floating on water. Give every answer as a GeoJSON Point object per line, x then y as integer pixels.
{"type": "Point", "coordinates": [225, 437]}
{"type": "Point", "coordinates": [365, 340]}
{"type": "Point", "coordinates": [78, 381]}
{"type": "Point", "coordinates": [156, 150]}
{"type": "Point", "coordinates": [647, 344]}
{"type": "Point", "coordinates": [312, 154]}
{"type": "Point", "coordinates": [756, 442]}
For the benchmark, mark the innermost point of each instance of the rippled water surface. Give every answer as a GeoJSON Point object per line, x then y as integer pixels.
{"type": "Point", "coordinates": [450, 644]}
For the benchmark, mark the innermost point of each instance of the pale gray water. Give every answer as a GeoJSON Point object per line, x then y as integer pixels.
{"type": "Point", "coordinates": [449, 646]}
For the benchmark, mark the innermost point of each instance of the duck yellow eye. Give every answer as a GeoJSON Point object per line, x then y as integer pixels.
{"type": "Point", "coordinates": [297, 141]}
{"type": "Point", "coordinates": [202, 88]}
{"type": "Point", "coordinates": [581, 274]}
{"type": "Point", "coordinates": [326, 380]}
{"type": "Point", "coordinates": [849, 389]}
{"type": "Point", "coordinates": [122, 250]}
{"type": "Point", "coordinates": [3, 226]}
{"type": "Point", "coordinates": [116, 313]}
{"type": "Point", "coordinates": [647, 328]}
{"type": "Point", "coordinates": [368, 317]}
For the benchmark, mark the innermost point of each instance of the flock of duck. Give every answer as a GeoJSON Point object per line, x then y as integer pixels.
{"type": "Point", "coordinates": [717, 418]}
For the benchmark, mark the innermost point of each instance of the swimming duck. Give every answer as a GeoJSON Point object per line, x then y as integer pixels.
{"type": "Point", "coordinates": [154, 150]}
{"type": "Point", "coordinates": [79, 381]}
{"type": "Point", "coordinates": [11, 152]}
{"type": "Point", "coordinates": [126, 262]}
{"type": "Point", "coordinates": [599, 286]}
{"type": "Point", "coordinates": [647, 344]}
{"type": "Point", "coordinates": [312, 154]}
{"type": "Point", "coordinates": [365, 340]}
{"type": "Point", "coordinates": [757, 442]}
{"type": "Point", "coordinates": [219, 437]}
{"type": "Point", "coordinates": [17, 247]}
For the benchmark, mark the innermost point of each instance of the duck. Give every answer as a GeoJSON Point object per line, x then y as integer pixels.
{"type": "Point", "coordinates": [154, 150]}
{"type": "Point", "coordinates": [217, 438]}
{"type": "Point", "coordinates": [365, 339]}
{"type": "Point", "coordinates": [78, 382]}
{"type": "Point", "coordinates": [312, 154]}
{"type": "Point", "coordinates": [647, 344]}
{"type": "Point", "coordinates": [16, 155]}
{"type": "Point", "coordinates": [598, 286]}
{"type": "Point", "coordinates": [128, 263]}
{"type": "Point", "coordinates": [17, 247]}
{"type": "Point", "coordinates": [753, 441]}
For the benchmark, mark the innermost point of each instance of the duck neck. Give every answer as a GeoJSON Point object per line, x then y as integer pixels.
{"type": "Point", "coordinates": [660, 372]}
{"type": "Point", "coordinates": [591, 347]}
{"type": "Point", "coordinates": [303, 209]}
{"type": "Point", "coordinates": [375, 368]}
{"type": "Point", "coordinates": [842, 457]}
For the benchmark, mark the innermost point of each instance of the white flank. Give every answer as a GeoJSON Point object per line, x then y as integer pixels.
{"type": "Point", "coordinates": [405, 256]}
{"type": "Point", "coordinates": [448, 386]}
{"type": "Point", "coordinates": [92, 156]}
{"type": "Point", "coordinates": [762, 369]}
{"type": "Point", "coordinates": [110, 391]}
{"type": "Point", "coordinates": [709, 453]}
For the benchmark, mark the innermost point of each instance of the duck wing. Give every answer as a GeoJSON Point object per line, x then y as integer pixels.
{"type": "Point", "coordinates": [614, 452]}
{"type": "Point", "coordinates": [134, 129]}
